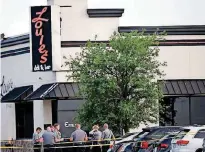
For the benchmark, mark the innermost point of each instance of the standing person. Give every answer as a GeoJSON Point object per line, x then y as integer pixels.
{"type": "Point", "coordinates": [107, 135]}
{"type": "Point", "coordinates": [78, 137]}
{"type": "Point", "coordinates": [57, 133]}
{"type": "Point", "coordinates": [91, 132]}
{"type": "Point", "coordinates": [96, 137]}
{"type": "Point", "coordinates": [48, 140]}
{"type": "Point", "coordinates": [37, 139]}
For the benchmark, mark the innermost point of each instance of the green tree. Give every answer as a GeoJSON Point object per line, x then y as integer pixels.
{"type": "Point", "coordinates": [119, 81]}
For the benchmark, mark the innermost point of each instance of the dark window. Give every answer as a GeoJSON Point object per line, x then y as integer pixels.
{"type": "Point", "coordinates": [54, 111]}
{"type": "Point", "coordinates": [160, 133]}
{"type": "Point", "coordinates": [182, 111]}
{"type": "Point", "coordinates": [181, 134]}
{"type": "Point", "coordinates": [200, 134]}
{"type": "Point", "coordinates": [197, 112]}
{"type": "Point", "coordinates": [182, 108]}
{"type": "Point", "coordinates": [24, 120]}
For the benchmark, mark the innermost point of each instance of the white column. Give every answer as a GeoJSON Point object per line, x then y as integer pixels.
{"type": "Point", "coordinates": [38, 114]}
{"type": "Point", "coordinates": [47, 104]}
{"type": "Point", "coordinates": [8, 121]}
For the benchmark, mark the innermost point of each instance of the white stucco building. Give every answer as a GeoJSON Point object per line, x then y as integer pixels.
{"type": "Point", "coordinates": [32, 98]}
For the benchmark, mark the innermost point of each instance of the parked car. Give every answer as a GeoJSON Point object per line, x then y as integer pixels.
{"type": "Point", "coordinates": [150, 141]}
{"type": "Point", "coordinates": [127, 137]}
{"type": "Point", "coordinates": [126, 145]}
{"type": "Point", "coordinates": [164, 144]}
{"type": "Point", "coordinates": [190, 139]}
{"type": "Point", "coordinates": [140, 143]}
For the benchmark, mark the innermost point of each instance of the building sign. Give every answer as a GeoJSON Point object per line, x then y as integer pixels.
{"type": "Point", "coordinates": [6, 86]}
{"type": "Point", "coordinates": [67, 124]}
{"type": "Point", "coordinates": [41, 40]}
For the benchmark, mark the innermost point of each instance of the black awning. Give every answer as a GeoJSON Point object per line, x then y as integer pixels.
{"type": "Point", "coordinates": [183, 87]}
{"type": "Point", "coordinates": [17, 94]}
{"type": "Point", "coordinates": [56, 91]}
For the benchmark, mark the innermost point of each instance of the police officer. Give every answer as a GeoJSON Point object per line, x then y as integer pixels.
{"type": "Point", "coordinates": [48, 140]}
{"type": "Point", "coordinates": [96, 137]}
{"type": "Point", "coordinates": [78, 137]}
{"type": "Point", "coordinates": [57, 136]}
{"type": "Point", "coordinates": [57, 133]}
{"type": "Point", "coordinates": [37, 139]}
{"type": "Point", "coordinates": [107, 135]}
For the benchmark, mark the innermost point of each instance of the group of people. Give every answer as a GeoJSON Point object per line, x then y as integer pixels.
{"type": "Point", "coordinates": [49, 137]}
{"type": "Point", "coordinates": [52, 135]}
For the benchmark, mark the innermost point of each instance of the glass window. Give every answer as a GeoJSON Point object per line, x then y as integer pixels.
{"type": "Point", "coordinates": [200, 134]}
{"type": "Point", "coordinates": [181, 134]}
{"type": "Point", "coordinates": [160, 133]}
{"type": "Point", "coordinates": [181, 107]}
{"type": "Point", "coordinates": [197, 110]}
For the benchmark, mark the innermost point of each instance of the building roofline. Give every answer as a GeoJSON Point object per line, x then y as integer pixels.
{"type": "Point", "coordinates": [102, 12]}
{"type": "Point", "coordinates": [170, 30]}
{"type": "Point", "coordinates": [15, 40]}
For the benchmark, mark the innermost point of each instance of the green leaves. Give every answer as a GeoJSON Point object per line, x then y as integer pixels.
{"type": "Point", "coordinates": [119, 81]}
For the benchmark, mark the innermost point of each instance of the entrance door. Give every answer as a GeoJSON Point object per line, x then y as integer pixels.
{"type": "Point", "coordinates": [24, 120]}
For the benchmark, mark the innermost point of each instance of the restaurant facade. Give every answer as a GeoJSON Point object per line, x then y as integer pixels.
{"type": "Point", "coordinates": [35, 91]}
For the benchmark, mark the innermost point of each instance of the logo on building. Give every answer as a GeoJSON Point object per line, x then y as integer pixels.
{"type": "Point", "coordinates": [41, 41]}
{"type": "Point", "coordinates": [67, 124]}
{"type": "Point", "coordinates": [6, 86]}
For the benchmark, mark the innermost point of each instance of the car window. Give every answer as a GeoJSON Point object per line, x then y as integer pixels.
{"type": "Point", "coordinates": [181, 134]}
{"type": "Point", "coordinates": [200, 134]}
{"type": "Point", "coordinates": [160, 133]}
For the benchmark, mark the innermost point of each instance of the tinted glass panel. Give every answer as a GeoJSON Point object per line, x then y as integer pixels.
{"type": "Point", "coordinates": [181, 106]}
{"type": "Point", "coordinates": [200, 134]}
{"type": "Point", "coordinates": [181, 134]}
{"type": "Point", "coordinates": [160, 133]}
{"type": "Point", "coordinates": [197, 110]}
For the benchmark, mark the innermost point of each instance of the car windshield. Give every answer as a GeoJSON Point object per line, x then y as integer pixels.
{"type": "Point", "coordinates": [160, 133]}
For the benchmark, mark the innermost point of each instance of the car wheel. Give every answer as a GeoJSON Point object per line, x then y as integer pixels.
{"type": "Point", "coordinates": [199, 150]}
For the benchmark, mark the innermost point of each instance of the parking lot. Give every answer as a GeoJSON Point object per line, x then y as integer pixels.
{"type": "Point", "coordinates": [163, 139]}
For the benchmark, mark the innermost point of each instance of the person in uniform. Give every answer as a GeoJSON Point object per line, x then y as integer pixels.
{"type": "Point", "coordinates": [48, 140]}
{"type": "Point", "coordinates": [107, 136]}
{"type": "Point", "coordinates": [91, 132]}
{"type": "Point", "coordinates": [57, 133]}
{"type": "Point", "coordinates": [37, 139]}
{"type": "Point", "coordinates": [96, 137]}
{"type": "Point", "coordinates": [78, 137]}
